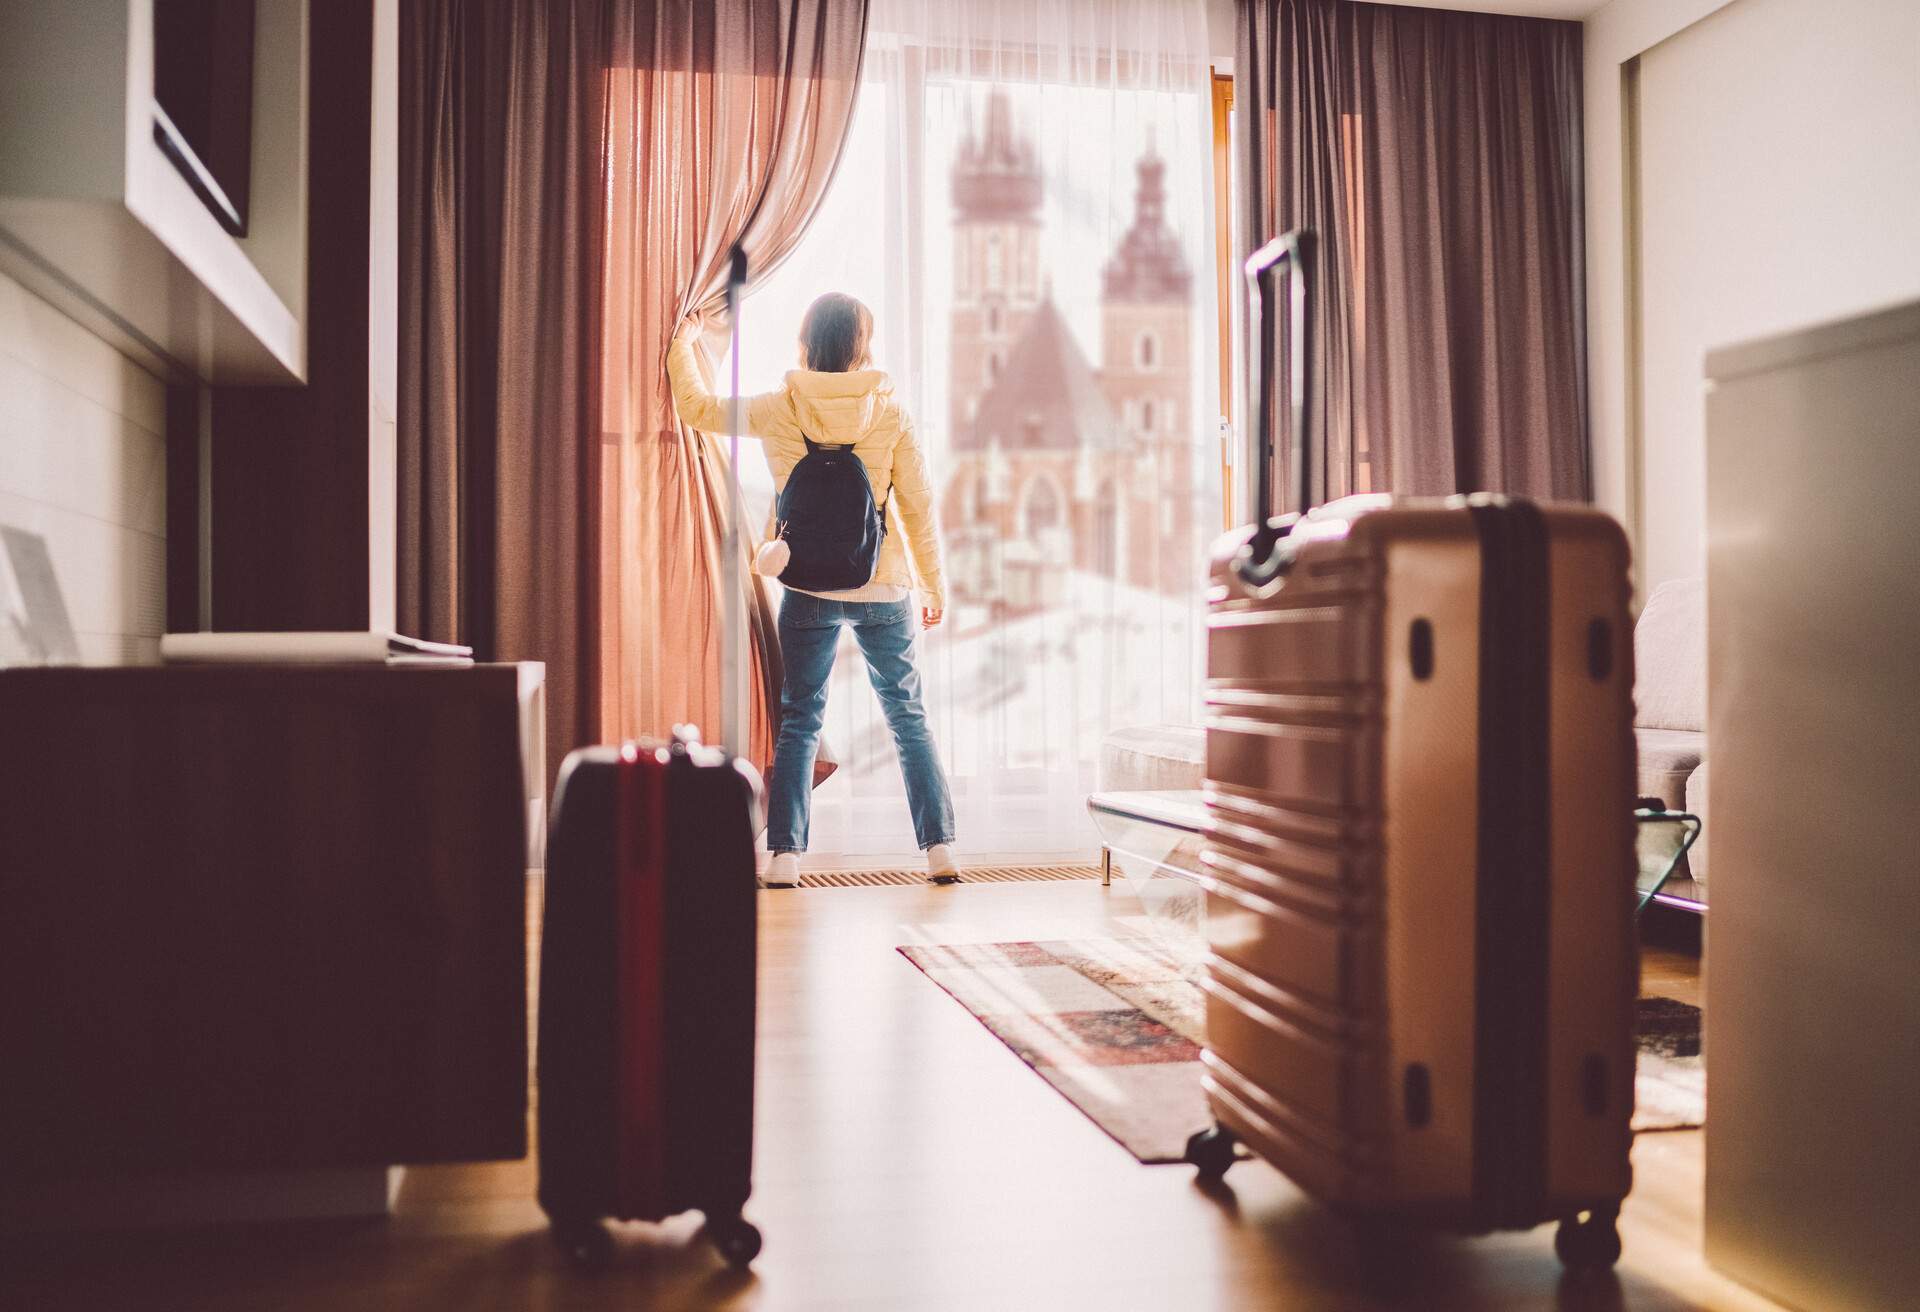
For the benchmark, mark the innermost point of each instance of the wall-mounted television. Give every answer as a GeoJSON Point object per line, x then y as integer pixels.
{"type": "Point", "coordinates": [203, 99]}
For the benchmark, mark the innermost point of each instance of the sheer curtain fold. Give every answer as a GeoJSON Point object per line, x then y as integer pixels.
{"type": "Point", "coordinates": [724, 124]}
{"type": "Point", "coordinates": [1438, 156]}
{"type": "Point", "coordinates": [497, 423]}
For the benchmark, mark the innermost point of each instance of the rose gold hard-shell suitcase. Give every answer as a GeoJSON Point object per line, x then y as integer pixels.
{"type": "Point", "coordinates": [1419, 851]}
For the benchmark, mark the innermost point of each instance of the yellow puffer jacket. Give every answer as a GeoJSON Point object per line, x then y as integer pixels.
{"type": "Point", "coordinates": [854, 408]}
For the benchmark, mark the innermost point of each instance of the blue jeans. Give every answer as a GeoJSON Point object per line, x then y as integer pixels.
{"type": "Point", "coordinates": [809, 634]}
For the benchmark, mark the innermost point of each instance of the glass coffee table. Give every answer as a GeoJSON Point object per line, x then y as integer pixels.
{"type": "Point", "coordinates": [1152, 839]}
{"type": "Point", "coordinates": [1142, 832]}
{"type": "Point", "coordinates": [1660, 846]}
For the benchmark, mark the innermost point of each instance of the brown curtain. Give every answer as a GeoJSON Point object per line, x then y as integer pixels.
{"type": "Point", "coordinates": [1438, 157]}
{"type": "Point", "coordinates": [502, 234]}
{"type": "Point", "coordinates": [725, 122]}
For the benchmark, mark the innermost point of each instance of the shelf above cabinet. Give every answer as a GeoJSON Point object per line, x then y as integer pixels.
{"type": "Point", "coordinates": [96, 217]}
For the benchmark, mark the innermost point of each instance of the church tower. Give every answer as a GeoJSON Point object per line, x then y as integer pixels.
{"type": "Point", "coordinates": [996, 255]}
{"type": "Point", "coordinates": [1146, 371]}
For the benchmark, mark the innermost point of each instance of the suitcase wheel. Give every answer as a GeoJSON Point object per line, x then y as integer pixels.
{"type": "Point", "coordinates": [737, 1238]}
{"type": "Point", "coordinates": [1211, 1152]}
{"type": "Point", "coordinates": [1589, 1241]}
{"type": "Point", "coordinates": [586, 1242]}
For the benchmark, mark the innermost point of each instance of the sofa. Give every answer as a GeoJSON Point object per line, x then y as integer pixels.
{"type": "Point", "coordinates": [1153, 756]}
{"type": "Point", "coordinates": [1670, 711]}
{"type": "Point", "coordinates": [1669, 725]}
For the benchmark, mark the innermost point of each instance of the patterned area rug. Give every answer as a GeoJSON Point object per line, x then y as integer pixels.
{"type": "Point", "coordinates": [1116, 1025]}
{"type": "Point", "coordinates": [1670, 1083]}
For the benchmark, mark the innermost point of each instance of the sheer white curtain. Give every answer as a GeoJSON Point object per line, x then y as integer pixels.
{"type": "Point", "coordinates": [1025, 203]}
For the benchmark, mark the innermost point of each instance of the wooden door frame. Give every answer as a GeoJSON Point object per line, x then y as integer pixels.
{"type": "Point", "coordinates": [1222, 94]}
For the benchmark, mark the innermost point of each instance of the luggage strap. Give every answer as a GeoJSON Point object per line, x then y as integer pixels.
{"type": "Point", "coordinates": [1513, 889]}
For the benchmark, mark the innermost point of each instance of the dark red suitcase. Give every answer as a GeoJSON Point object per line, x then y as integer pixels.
{"type": "Point", "coordinates": [646, 1025]}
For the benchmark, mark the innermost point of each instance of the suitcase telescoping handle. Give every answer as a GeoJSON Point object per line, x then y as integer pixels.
{"type": "Point", "coordinates": [733, 580]}
{"type": "Point", "coordinates": [1262, 560]}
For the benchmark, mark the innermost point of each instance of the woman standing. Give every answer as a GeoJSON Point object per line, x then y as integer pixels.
{"type": "Point", "coordinates": [836, 400]}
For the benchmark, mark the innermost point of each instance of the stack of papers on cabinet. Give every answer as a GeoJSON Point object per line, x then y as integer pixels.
{"type": "Point", "coordinates": [309, 649]}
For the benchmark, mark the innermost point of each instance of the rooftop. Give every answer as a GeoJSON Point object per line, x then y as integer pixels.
{"type": "Point", "coordinates": [1148, 266]}
{"type": "Point", "coordinates": [997, 174]}
{"type": "Point", "coordinates": [1046, 397]}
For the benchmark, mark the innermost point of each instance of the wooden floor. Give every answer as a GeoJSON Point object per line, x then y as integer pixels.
{"type": "Point", "coordinates": [906, 1160]}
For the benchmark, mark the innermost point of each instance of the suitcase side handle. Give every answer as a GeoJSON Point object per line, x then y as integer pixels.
{"type": "Point", "coordinates": [1262, 560]}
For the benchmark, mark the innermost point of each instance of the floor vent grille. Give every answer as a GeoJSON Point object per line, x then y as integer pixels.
{"type": "Point", "coordinates": [968, 875]}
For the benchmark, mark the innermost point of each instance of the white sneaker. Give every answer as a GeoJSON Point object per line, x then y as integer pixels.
{"type": "Point", "coordinates": [783, 871]}
{"type": "Point", "coordinates": [940, 866]}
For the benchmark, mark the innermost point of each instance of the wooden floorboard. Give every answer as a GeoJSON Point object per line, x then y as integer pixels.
{"type": "Point", "coordinates": [907, 1160]}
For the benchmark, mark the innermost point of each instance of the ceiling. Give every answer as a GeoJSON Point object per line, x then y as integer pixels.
{"type": "Point", "coordinates": [1222, 24]}
{"type": "Point", "coordinates": [1531, 8]}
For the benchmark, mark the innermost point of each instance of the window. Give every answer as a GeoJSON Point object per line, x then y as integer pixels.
{"type": "Point", "coordinates": [1042, 506]}
{"type": "Point", "coordinates": [1146, 350]}
{"type": "Point", "coordinates": [1046, 584]}
{"type": "Point", "coordinates": [1106, 530]}
{"type": "Point", "coordinates": [1146, 415]}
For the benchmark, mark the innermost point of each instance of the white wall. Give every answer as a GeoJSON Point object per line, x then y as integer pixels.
{"type": "Point", "coordinates": [383, 370]}
{"type": "Point", "coordinates": [1222, 33]}
{"type": "Point", "coordinates": [83, 464]}
{"type": "Point", "coordinates": [1776, 183]}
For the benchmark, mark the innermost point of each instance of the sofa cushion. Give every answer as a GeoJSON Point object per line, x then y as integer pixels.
{"type": "Point", "coordinates": [1153, 756]}
{"type": "Point", "coordinates": [1667, 758]}
{"type": "Point", "coordinates": [1670, 658]}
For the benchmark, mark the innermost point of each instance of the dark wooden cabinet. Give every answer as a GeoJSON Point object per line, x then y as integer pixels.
{"type": "Point", "coordinates": [261, 918]}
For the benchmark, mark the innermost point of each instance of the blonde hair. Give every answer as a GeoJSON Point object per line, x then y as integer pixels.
{"type": "Point", "coordinates": [835, 334]}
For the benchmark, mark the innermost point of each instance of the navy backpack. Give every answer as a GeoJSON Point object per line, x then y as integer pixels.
{"type": "Point", "coordinates": [828, 518]}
